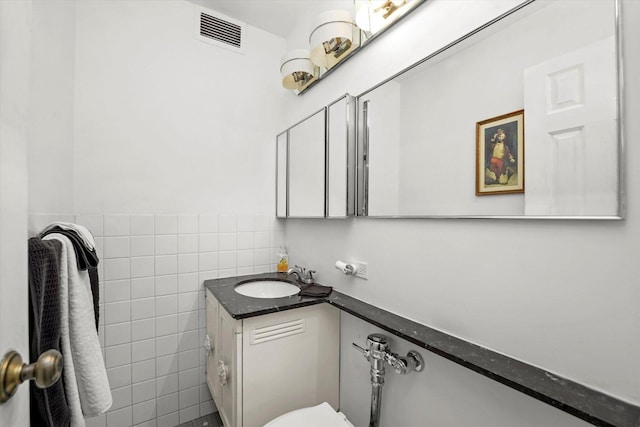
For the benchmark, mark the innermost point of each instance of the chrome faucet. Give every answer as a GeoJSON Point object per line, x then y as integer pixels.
{"type": "Point", "coordinates": [302, 274]}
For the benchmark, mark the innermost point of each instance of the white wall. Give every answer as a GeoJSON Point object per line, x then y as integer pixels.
{"type": "Point", "coordinates": [562, 295]}
{"type": "Point", "coordinates": [166, 123]}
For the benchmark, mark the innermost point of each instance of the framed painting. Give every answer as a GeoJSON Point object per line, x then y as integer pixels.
{"type": "Point", "coordinates": [500, 154]}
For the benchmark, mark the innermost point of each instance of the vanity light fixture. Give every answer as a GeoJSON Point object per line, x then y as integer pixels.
{"type": "Point", "coordinates": [374, 15]}
{"type": "Point", "coordinates": [297, 70]}
{"type": "Point", "coordinates": [332, 38]}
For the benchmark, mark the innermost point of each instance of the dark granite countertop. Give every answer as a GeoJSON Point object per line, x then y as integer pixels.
{"type": "Point", "coordinates": [590, 405]}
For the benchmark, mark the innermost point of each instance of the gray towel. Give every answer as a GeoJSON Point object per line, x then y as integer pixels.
{"type": "Point", "coordinates": [48, 406]}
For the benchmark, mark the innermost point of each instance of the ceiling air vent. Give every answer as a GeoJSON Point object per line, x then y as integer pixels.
{"type": "Point", "coordinates": [215, 28]}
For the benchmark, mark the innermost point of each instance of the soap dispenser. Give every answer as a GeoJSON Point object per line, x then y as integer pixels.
{"type": "Point", "coordinates": [283, 260]}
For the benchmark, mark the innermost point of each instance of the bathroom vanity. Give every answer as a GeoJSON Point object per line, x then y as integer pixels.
{"type": "Point", "coordinates": [261, 365]}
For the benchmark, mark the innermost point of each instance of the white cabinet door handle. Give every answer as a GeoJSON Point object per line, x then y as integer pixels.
{"type": "Point", "coordinates": [223, 373]}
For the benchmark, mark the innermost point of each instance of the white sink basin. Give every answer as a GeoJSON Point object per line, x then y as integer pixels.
{"type": "Point", "coordinates": [267, 289]}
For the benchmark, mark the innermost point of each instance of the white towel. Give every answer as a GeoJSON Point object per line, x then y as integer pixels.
{"type": "Point", "coordinates": [85, 376]}
{"type": "Point", "coordinates": [83, 232]}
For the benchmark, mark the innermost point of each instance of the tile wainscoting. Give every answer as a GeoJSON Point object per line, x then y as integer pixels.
{"type": "Point", "coordinates": [152, 305]}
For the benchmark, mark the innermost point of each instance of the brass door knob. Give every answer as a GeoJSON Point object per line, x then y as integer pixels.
{"type": "Point", "coordinates": [46, 371]}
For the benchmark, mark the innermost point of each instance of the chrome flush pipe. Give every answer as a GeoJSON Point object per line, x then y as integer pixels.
{"type": "Point", "coordinates": [378, 354]}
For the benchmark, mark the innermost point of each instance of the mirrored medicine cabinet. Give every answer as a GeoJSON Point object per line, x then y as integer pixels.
{"type": "Point", "coordinates": [518, 119]}
{"type": "Point", "coordinates": [315, 166]}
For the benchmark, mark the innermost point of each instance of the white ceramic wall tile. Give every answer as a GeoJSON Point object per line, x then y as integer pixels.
{"type": "Point", "coordinates": [188, 360]}
{"type": "Point", "coordinates": [205, 394]}
{"type": "Point", "coordinates": [207, 275]}
{"type": "Point", "coordinates": [243, 271]}
{"type": "Point", "coordinates": [94, 223]}
{"type": "Point", "coordinates": [143, 329]}
{"type": "Point", "coordinates": [188, 243]}
{"type": "Point", "coordinates": [166, 325]}
{"type": "Point", "coordinates": [261, 256]}
{"type": "Point", "coordinates": [167, 304]}
{"type": "Point", "coordinates": [117, 225]}
{"type": "Point", "coordinates": [202, 319]}
{"type": "Point", "coordinates": [277, 239]}
{"type": "Point", "coordinates": [188, 379]}
{"type": "Point", "coordinates": [188, 321]}
{"type": "Point", "coordinates": [142, 225]}
{"type": "Point", "coordinates": [227, 241]}
{"type": "Point", "coordinates": [187, 224]}
{"type": "Point", "coordinates": [245, 240]}
{"type": "Point", "coordinates": [143, 308]}
{"type": "Point", "coordinates": [245, 258]}
{"type": "Point", "coordinates": [189, 414]}
{"type": "Point", "coordinates": [144, 391]}
{"type": "Point", "coordinates": [143, 287]}
{"type": "Point", "coordinates": [166, 244]}
{"type": "Point", "coordinates": [120, 418]}
{"type": "Point", "coordinates": [227, 224]}
{"type": "Point", "coordinates": [166, 224]}
{"type": "Point", "coordinates": [144, 411]}
{"type": "Point", "coordinates": [99, 421]}
{"type": "Point", "coordinates": [244, 223]}
{"type": "Point", "coordinates": [142, 245]}
{"type": "Point", "coordinates": [227, 272]}
{"type": "Point", "coordinates": [189, 397]}
{"type": "Point", "coordinates": [167, 345]}
{"type": "Point", "coordinates": [166, 264]}
{"type": "Point", "coordinates": [208, 224]}
{"type": "Point", "coordinates": [226, 260]}
{"type": "Point", "coordinates": [116, 269]}
{"type": "Point", "coordinates": [166, 285]}
{"type": "Point", "coordinates": [165, 366]}
{"type": "Point", "coordinates": [119, 333]}
{"type": "Point", "coordinates": [99, 249]}
{"type": "Point", "coordinates": [60, 218]}
{"type": "Point", "coordinates": [187, 340]}
{"type": "Point", "coordinates": [150, 423]}
{"type": "Point", "coordinates": [261, 223]}
{"type": "Point", "coordinates": [263, 269]}
{"type": "Point", "coordinates": [187, 263]}
{"type": "Point", "coordinates": [202, 301]}
{"type": "Point", "coordinates": [121, 398]}
{"type": "Point", "coordinates": [37, 222]}
{"type": "Point", "coordinates": [119, 377]}
{"type": "Point", "coordinates": [143, 350]}
{"type": "Point", "coordinates": [188, 282]}
{"type": "Point", "coordinates": [170, 420]}
{"type": "Point", "coordinates": [142, 266]}
{"type": "Point", "coordinates": [117, 312]}
{"type": "Point", "coordinates": [143, 371]}
{"type": "Point", "coordinates": [168, 404]}
{"type": "Point", "coordinates": [207, 408]}
{"type": "Point", "coordinates": [208, 242]}
{"type": "Point", "coordinates": [187, 301]}
{"type": "Point", "coordinates": [116, 247]}
{"type": "Point", "coordinates": [261, 239]}
{"type": "Point", "coordinates": [208, 261]}
{"type": "Point", "coordinates": [117, 355]}
{"type": "Point", "coordinates": [116, 290]}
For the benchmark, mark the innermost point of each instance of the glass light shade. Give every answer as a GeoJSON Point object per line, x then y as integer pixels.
{"type": "Point", "coordinates": [331, 37]}
{"type": "Point", "coordinates": [296, 69]}
{"type": "Point", "coordinates": [374, 15]}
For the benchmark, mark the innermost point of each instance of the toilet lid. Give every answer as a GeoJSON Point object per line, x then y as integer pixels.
{"type": "Point", "coordinates": [322, 415]}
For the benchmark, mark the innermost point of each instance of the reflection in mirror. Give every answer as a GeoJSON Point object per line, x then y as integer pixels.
{"type": "Point", "coordinates": [341, 155]}
{"type": "Point", "coordinates": [306, 162]}
{"type": "Point", "coordinates": [557, 60]}
{"type": "Point", "coordinates": [282, 143]}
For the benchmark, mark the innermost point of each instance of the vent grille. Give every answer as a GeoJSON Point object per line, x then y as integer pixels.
{"type": "Point", "coordinates": [220, 30]}
{"type": "Point", "coordinates": [274, 332]}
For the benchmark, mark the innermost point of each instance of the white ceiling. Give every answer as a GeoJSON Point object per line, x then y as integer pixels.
{"type": "Point", "coordinates": [275, 16]}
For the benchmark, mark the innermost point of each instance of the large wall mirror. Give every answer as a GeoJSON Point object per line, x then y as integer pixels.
{"type": "Point", "coordinates": [517, 119]}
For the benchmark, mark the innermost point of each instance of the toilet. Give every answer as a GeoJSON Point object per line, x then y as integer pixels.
{"type": "Point", "coordinates": [322, 415]}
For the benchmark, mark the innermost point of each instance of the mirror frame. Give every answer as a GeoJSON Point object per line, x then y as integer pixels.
{"type": "Point", "coordinates": [363, 127]}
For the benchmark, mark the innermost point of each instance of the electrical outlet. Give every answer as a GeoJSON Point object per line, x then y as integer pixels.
{"type": "Point", "coordinates": [361, 270]}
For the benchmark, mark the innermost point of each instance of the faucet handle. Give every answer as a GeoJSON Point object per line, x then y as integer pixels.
{"type": "Point", "coordinates": [311, 273]}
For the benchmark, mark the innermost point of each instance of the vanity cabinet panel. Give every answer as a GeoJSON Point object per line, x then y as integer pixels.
{"type": "Point", "coordinates": [265, 366]}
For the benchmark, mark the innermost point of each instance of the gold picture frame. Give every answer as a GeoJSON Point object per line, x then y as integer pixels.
{"type": "Point", "coordinates": [500, 154]}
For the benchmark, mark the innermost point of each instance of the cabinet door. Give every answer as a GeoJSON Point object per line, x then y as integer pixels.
{"type": "Point", "coordinates": [230, 369]}
{"type": "Point", "coordinates": [212, 359]}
